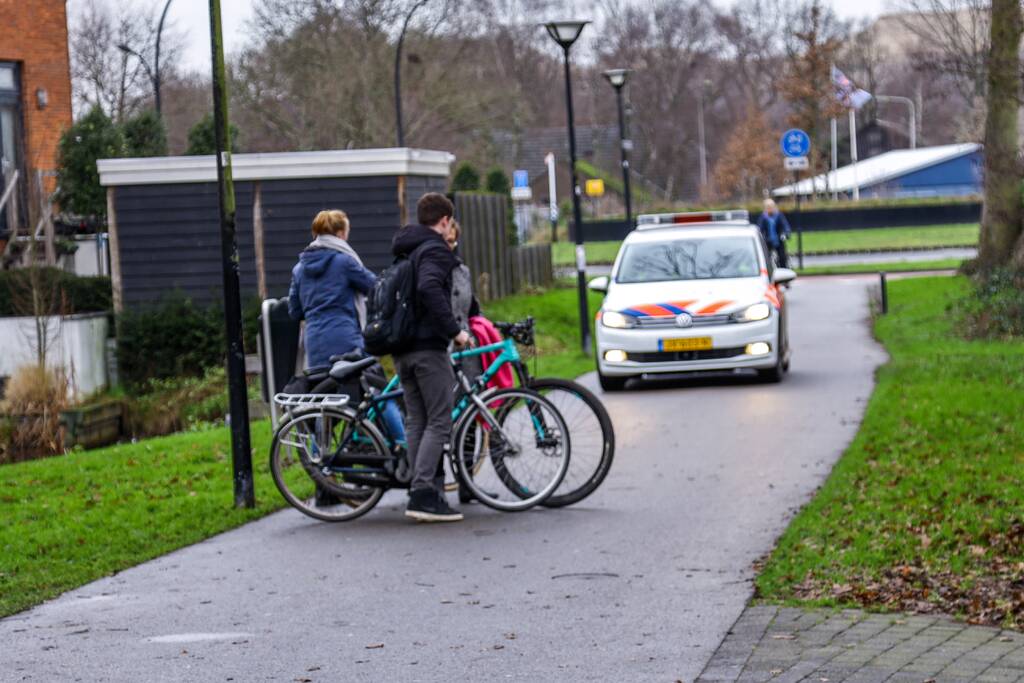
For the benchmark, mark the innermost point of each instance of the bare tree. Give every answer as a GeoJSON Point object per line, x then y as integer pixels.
{"type": "Point", "coordinates": [670, 45]}
{"type": "Point", "coordinates": [750, 38]}
{"type": "Point", "coordinates": [807, 84]}
{"type": "Point", "coordinates": [952, 40]}
{"type": "Point", "coordinates": [104, 75]}
{"type": "Point", "coordinates": [749, 167]}
{"type": "Point", "coordinates": [321, 75]}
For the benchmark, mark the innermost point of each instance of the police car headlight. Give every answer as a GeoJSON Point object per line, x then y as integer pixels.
{"type": "Point", "coordinates": [756, 312]}
{"type": "Point", "coordinates": [617, 320]}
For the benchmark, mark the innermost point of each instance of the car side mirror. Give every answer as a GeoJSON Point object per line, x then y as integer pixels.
{"type": "Point", "coordinates": [600, 284]}
{"type": "Point", "coordinates": [782, 275]}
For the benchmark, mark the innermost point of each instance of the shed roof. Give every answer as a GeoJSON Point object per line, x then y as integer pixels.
{"type": "Point", "coordinates": [878, 169]}
{"type": "Point", "coordinates": [398, 161]}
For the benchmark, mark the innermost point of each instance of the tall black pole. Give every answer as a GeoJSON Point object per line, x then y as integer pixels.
{"type": "Point", "coordinates": [577, 214]}
{"type": "Point", "coordinates": [799, 223]}
{"type": "Point", "coordinates": [156, 67]}
{"type": "Point", "coordinates": [398, 91]}
{"type": "Point", "coordinates": [625, 158]}
{"type": "Point", "coordinates": [399, 125]}
{"type": "Point", "coordinates": [241, 449]}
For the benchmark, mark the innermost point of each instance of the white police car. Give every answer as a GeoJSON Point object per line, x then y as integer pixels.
{"type": "Point", "coordinates": [691, 292]}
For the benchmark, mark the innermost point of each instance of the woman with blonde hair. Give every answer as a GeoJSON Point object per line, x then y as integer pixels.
{"type": "Point", "coordinates": [328, 290]}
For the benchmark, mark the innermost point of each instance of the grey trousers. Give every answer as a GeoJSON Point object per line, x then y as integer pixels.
{"type": "Point", "coordinates": [427, 380]}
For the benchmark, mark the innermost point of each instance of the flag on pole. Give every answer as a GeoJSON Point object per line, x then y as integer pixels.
{"type": "Point", "coordinates": [846, 92]}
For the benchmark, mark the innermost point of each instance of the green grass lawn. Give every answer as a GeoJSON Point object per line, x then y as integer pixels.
{"type": "Point", "coordinates": [558, 329]}
{"type": "Point", "coordinates": [897, 267]}
{"type": "Point", "coordinates": [925, 506]}
{"type": "Point", "coordinates": [69, 520]}
{"type": "Point", "coordinates": [963, 234]}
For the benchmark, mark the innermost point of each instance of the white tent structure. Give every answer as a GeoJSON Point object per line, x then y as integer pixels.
{"type": "Point", "coordinates": [925, 171]}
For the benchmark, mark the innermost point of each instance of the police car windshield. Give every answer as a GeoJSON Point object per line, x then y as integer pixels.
{"type": "Point", "coordinates": [689, 259]}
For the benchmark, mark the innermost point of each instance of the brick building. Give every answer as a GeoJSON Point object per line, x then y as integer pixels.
{"type": "Point", "coordinates": [35, 93]}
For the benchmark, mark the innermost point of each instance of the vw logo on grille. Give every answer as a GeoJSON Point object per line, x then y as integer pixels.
{"type": "Point", "coordinates": [684, 320]}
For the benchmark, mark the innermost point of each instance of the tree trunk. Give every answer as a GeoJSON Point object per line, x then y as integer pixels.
{"type": "Point", "coordinates": [1001, 218]}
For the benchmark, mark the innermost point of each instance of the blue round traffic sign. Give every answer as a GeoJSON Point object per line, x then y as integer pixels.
{"type": "Point", "coordinates": [795, 143]}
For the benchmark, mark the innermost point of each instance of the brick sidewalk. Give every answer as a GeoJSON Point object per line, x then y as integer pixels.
{"type": "Point", "coordinates": [787, 645]}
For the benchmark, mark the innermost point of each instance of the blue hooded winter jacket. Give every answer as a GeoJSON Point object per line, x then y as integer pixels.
{"type": "Point", "coordinates": [324, 284]}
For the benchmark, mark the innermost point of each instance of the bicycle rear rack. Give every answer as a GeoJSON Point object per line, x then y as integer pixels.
{"type": "Point", "coordinates": [311, 400]}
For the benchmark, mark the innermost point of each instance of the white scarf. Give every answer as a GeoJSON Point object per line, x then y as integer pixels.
{"type": "Point", "coordinates": [337, 244]}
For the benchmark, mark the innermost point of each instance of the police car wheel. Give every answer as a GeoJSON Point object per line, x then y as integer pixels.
{"type": "Point", "coordinates": [612, 383]}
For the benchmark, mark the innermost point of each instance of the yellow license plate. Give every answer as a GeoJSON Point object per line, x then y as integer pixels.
{"type": "Point", "coordinates": [686, 344]}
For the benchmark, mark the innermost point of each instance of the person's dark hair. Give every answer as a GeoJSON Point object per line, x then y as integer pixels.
{"type": "Point", "coordinates": [432, 207]}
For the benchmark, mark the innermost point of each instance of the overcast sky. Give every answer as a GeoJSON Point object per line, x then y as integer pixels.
{"type": "Point", "coordinates": [191, 17]}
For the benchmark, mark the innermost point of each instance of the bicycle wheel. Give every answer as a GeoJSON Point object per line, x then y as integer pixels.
{"type": "Point", "coordinates": [517, 463]}
{"type": "Point", "coordinates": [299, 452]}
{"type": "Point", "coordinates": [592, 434]}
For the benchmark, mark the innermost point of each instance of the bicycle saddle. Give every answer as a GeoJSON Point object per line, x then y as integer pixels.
{"type": "Point", "coordinates": [344, 369]}
{"type": "Point", "coordinates": [353, 355]}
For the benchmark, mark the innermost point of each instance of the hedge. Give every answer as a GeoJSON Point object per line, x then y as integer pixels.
{"type": "Point", "coordinates": [63, 292]}
{"type": "Point", "coordinates": [176, 338]}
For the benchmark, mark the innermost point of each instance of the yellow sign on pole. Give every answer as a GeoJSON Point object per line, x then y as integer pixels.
{"type": "Point", "coordinates": [595, 187]}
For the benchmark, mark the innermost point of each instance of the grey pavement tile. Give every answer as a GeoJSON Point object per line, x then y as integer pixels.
{"type": "Point", "coordinates": [789, 614]}
{"type": "Point", "coordinates": [833, 672]}
{"type": "Point", "coordinates": [999, 675]}
{"type": "Point", "coordinates": [1014, 660]}
{"type": "Point", "coordinates": [760, 674]}
{"type": "Point", "coordinates": [907, 677]}
{"type": "Point", "coordinates": [869, 675]}
{"type": "Point", "coordinates": [716, 672]}
{"type": "Point", "coordinates": [963, 669]}
{"type": "Point", "coordinates": [796, 673]}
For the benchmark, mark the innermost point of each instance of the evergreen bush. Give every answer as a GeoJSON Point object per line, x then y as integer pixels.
{"type": "Point", "coordinates": [92, 137]}
{"type": "Point", "coordinates": [202, 137]}
{"type": "Point", "coordinates": [176, 337]}
{"type": "Point", "coordinates": [145, 135]}
{"type": "Point", "coordinates": [466, 178]}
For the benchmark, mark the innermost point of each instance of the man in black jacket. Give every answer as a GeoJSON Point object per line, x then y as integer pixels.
{"type": "Point", "coordinates": [424, 369]}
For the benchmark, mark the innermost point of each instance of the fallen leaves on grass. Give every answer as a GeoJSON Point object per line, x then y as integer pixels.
{"type": "Point", "coordinates": [991, 595]}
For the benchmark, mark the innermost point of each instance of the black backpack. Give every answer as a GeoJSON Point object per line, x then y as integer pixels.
{"type": "Point", "coordinates": [391, 309]}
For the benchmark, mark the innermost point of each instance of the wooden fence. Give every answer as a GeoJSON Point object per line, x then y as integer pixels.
{"type": "Point", "coordinates": [499, 269]}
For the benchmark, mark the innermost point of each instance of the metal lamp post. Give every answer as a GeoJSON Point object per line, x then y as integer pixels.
{"type": "Point", "coordinates": [701, 139]}
{"type": "Point", "coordinates": [912, 115]}
{"type": "Point", "coordinates": [617, 78]}
{"type": "Point", "coordinates": [154, 73]}
{"type": "Point", "coordinates": [241, 448]}
{"type": "Point", "coordinates": [565, 33]}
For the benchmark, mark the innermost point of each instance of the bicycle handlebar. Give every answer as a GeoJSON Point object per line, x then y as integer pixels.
{"type": "Point", "coordinates": [521, 332]}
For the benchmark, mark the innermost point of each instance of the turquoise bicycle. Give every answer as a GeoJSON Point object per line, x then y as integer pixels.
{"type": "Point", "coordinates": [510, 447]}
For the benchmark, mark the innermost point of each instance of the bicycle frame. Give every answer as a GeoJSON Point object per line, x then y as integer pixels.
{"type": "Point", "coordinates": [507, 351]}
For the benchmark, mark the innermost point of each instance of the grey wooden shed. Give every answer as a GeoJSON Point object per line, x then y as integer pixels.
{"type": "Point", "coordinates": [165, 229]}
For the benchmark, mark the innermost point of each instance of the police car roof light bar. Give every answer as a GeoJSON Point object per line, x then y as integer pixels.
{"type": "Point", "coordinates": [654, 220]}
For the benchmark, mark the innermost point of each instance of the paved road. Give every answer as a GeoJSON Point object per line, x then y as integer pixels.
{"type": "Point", "coordinates": [640, 582]}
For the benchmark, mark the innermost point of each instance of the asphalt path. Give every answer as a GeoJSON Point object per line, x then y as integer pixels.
{"type": "Point", "coordinates": [639, 582]}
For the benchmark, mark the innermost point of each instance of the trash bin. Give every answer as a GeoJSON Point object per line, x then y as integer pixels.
{"type": "Point", "coordinates": [278, 348]}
